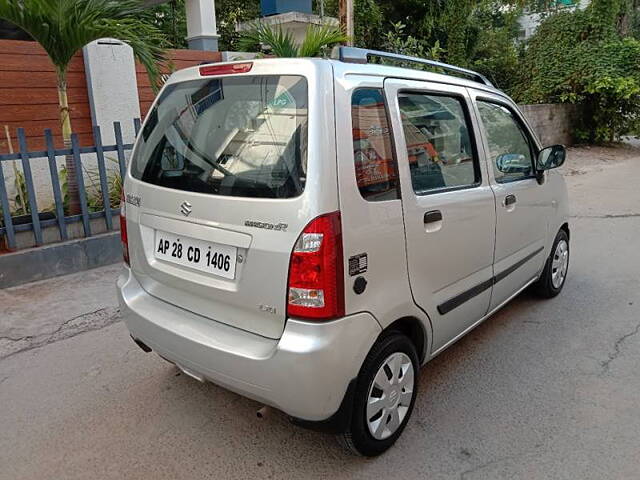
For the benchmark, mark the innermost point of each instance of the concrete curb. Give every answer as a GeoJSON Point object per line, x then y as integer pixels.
{"type": "Point", "coordinates": [59, 259]}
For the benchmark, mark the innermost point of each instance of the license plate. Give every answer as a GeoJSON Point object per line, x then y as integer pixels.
{"type": "Point", "coordinates": [209, 257]}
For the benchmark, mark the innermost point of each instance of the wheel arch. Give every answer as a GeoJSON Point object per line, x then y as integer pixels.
{"type": "Point", "coordinates": [413, 328]}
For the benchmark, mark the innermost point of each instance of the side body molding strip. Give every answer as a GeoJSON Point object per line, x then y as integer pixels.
{"type": "Point", "coordinates": [467, 295]}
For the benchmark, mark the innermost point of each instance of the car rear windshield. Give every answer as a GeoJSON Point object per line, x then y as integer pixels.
{"type": "Point", "coordinates": [236, 136]}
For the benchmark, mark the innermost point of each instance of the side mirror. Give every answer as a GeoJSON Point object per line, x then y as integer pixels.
{"type": "Point", "coordinates": [551, 157]}
{"type": "Point", "coordinates": [513, 163]}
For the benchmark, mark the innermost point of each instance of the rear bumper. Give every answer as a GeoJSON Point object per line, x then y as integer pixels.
{"type": "Point", "coordinates": [305, 373]}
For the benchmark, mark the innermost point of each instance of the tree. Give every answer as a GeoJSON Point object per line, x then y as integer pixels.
{"type": "Point", "coordinates": [171, 19]}
{"type": "Point", "coordinates": [480, 35]}
{"type": "Point", "coordinates": [228, 14]}
{"type": "Point", "coordinates": [367, 19]}
{"type": "Point", "coordinates": [63, 27]}
{"type": "Point", "coordinates": [397, 42]}
{"type": "Point", "coordinates": [282, 44]}
{"type": "Point", "coordinates": [493, 47]}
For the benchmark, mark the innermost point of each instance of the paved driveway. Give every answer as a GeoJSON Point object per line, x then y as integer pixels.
{"type": "Point", "coordinates": [544, 389]}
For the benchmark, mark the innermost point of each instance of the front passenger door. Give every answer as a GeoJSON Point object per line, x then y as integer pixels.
{"type": "Point", "coordinates": [522, 207]}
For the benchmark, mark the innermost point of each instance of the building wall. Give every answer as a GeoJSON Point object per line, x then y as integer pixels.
{"type": "Point", "coordinates": [554, 124]}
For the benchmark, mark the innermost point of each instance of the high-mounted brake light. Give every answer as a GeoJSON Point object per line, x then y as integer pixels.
{"type": "Point", "coordinates": [123, 229]}
{"type": "Point", "coordinates": [316, 282]}
{"type": "Point", "coordinates": [226, 69]}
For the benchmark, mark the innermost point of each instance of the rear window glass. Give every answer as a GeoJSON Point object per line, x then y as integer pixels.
{"type": "Point", "coordinates": [235, 136]}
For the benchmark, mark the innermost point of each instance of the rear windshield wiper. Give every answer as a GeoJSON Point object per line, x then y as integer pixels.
{"type": "Point", "coordinates": [213, 163]}
{"type": "Point", "coordinates": [200, 154]}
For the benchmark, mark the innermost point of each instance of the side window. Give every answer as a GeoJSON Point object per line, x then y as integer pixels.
{"type": "Point", "coordinates": [509, 147]}
{"type": "Point", "coordinates": [376, 172]}
{"type": "Point", "coordinates": [436, 130]}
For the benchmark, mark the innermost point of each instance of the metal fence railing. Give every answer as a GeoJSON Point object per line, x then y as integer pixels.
{"type": "Point", "coordinates": [34, 219]}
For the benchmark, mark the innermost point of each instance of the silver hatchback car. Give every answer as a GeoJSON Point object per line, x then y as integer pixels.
{"type": "Point", "coordinates": [308, 232]}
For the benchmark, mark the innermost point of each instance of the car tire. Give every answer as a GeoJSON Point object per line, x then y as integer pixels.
{"type": "Point", "coordinates": [556, 268]}
{"type": "Point", "coordinates": [389, 375]}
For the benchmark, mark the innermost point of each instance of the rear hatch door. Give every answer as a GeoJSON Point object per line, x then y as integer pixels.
{"type": "Point", "coordinates": [220, 172]}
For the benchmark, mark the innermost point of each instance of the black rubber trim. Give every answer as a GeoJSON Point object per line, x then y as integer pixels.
{"type": "Point", "coordinates": [467, 295]}
{"type": "Point", "coordinates": [502, 275]}
{"type": "Point", "coordinates": [458, 300]}
{"type": "Point", "coordinates": [339, 422]}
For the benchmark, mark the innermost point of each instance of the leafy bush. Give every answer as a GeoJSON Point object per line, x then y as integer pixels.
{"type": "Point", "coordinates": [21, 202]}
{"type": "Point", "coordinates": [21, 205]}
{"type": "Point", "coordinates": [396, 41]}
{"type": "Point", "coordinates": [94, 191]}
{"type": "Point", "coordinates": [581, 57]}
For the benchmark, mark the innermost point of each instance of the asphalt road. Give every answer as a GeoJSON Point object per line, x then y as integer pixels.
{"type": "Point", "coordinates": [543, 389]}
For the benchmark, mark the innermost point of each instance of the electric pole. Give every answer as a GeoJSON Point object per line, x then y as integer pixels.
{"type": "Point", "coordinates": [345, 16]}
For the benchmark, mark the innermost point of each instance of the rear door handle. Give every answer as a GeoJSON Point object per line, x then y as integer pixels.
{"type": "Point", "coordinates": [509, 200]}
{"type": "Point", "coordinates": [433, 216]}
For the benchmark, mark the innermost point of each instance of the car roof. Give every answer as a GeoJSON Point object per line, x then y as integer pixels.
{"type": "Point", "coordinates": [342, 68]}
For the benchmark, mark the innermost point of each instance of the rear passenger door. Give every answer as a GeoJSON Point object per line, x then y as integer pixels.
{"type": "Point", "coordinates": [448, 205]}
{"type": "Point", "coordinates": [522, 204]}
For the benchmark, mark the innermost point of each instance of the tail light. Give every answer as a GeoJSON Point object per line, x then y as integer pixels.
{"type": "Point", "coordinates": [123, 229]}
{"type": "Point", "coordinates": [316, 282]}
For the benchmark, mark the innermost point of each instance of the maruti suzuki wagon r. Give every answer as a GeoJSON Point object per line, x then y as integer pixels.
{"type": "Point", "coordinates": [308, 232]}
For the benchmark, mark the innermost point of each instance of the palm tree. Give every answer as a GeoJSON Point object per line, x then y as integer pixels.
{"type": "Point", "coordinates": [281, 43]}
{"type": "Point", "coordinates": [63, 27]}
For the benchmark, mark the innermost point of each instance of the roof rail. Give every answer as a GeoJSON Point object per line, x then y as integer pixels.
{"type": "Point", "coordinates": [361, 55]}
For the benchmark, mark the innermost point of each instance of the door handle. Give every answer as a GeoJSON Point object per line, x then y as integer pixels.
{"type": "Point", "coordinates": [432, 221]}
{"type": "Point", "coordinates": [433, 216]}
{"type": "Point", "coordinates": [509, 200]}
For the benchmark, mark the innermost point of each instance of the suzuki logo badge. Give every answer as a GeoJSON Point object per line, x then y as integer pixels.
{"type": "Point", "coordinates": [185, 208]}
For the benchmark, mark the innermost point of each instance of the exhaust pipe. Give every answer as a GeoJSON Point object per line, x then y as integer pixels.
{"type": "Point", "coordinates": [263, 412]}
